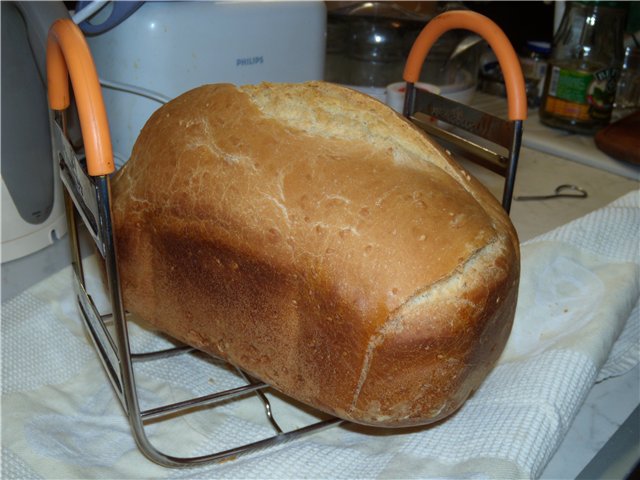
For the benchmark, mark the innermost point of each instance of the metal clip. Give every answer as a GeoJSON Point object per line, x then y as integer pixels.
{"type": "Point", "coordinates": [559, 192]}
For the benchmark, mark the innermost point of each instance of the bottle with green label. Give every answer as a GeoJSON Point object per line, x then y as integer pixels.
{"type": "Point", "coordinates": [584, 67]}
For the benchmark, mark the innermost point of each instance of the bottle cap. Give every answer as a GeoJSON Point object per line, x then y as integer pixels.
{"type": "Point", "coordinates": [539, 47]}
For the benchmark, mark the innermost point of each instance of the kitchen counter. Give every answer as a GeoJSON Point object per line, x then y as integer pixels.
{"type": "Point", "coordinates": [539, 174]}
{"type": "Point", "coordinates": [610, 402]}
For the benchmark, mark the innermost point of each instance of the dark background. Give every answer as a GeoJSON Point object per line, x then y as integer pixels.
{"type": "Point", "coordinates": [520, 21]}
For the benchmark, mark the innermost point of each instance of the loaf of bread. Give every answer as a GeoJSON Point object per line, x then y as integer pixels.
{"type": "Point", "coordinates": [319, 241]}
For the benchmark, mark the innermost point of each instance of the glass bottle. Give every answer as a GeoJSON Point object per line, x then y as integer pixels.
{"type": "Point", "coordinates": [584, 67]}
{"type": "Point", "coordinates": [534, 68]}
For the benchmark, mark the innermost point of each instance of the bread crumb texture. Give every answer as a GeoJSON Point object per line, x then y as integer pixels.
{"type": "Point", "coordinates": [312, 236]}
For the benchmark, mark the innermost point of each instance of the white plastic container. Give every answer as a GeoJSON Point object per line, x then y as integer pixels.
{"type": "Point", "coordinates": [171, 47]}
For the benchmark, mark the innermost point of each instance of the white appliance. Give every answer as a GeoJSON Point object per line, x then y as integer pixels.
{"type": "Point", "coordinates": [166, 48]}
{"type": "Point", "coordinates": [32, 201]}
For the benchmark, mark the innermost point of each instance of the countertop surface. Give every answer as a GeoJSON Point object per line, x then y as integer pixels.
{"type": "Point", "coordinates": [610, 402]}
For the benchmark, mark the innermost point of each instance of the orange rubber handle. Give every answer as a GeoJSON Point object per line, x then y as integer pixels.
{"type": "Point", "coordinates": [487, 29]}
{"type": "Point", "coordinates": [68, 55]}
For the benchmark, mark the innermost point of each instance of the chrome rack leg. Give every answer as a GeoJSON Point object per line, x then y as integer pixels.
{"type": "Point", "coordinates": [265, 402]}
{"type": "Point", "coordinates": [510, 176]}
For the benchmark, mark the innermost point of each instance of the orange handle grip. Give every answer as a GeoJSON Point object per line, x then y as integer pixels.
{"type": "Point", "coordinates": [68, 55]}
{"type": "Point", "coordinates": [487, 29]}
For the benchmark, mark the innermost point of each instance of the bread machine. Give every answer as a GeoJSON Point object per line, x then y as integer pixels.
{"type": "Point", "coordinates": [32, 209]}
{"type": "Point", "coordinates": [158, 50]}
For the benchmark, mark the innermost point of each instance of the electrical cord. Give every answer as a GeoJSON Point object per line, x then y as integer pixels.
{"type": "Point", "coordinates": [135, 90]}
{"type": "Point", "coordinates": [88, 11]}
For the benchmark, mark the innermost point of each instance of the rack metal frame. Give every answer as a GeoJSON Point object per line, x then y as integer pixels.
{"type": "Point", "coordinates": [88, 205]}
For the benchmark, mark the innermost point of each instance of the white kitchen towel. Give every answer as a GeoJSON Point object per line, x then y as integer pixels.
{"type": "Point", "coordinates": [576, 323]}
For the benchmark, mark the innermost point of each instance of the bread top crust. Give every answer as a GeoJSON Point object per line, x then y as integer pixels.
{"type": "Point", "coordinates": [313, 178]}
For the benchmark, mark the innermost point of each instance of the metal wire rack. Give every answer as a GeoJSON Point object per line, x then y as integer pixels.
{"type": "Point", "coordinates": [88, 206]}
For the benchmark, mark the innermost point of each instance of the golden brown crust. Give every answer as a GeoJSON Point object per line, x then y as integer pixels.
{"type": "Point", "coordinates": [319, 241]}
